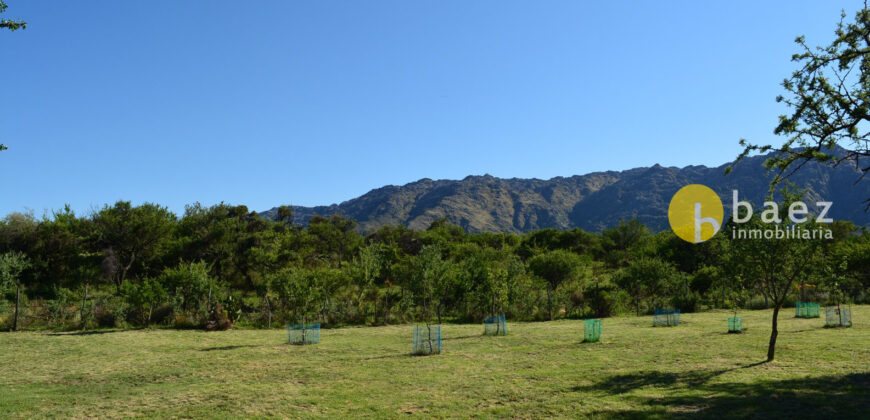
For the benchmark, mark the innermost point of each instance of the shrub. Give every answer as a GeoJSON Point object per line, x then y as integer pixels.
{"type": "Point", "coordinates": [218, 320]}
{"type": "Point", "coordinates": [60, 310]}
{"type": "Point", "coordinates": [191, 288]}
{"type": "Point", "coordinates": [110, 311]}
{"type": "Point", "coordinates": [686, 301]}
{"type": "Point", "coordinates": [602, 301]}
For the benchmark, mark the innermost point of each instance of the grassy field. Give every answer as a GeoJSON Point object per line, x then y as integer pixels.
{"type": "Point", "coordinates": [542, 369]}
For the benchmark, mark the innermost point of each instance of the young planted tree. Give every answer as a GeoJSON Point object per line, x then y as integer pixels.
{"type": "Point", "coordinates": [834, 281]}
{"type": "Point", "coordinates": [11, 266]}
{"type": "Point", "coordinates": [502, 272]}
{"type": "Point", "coordinates": [432, 273]}
{"type": "Point", "coordinates": [556, 267]}
{"type": "Point", "coordinates": [299, 294]}
{"type": "Point", "coordinates": [367, 269]}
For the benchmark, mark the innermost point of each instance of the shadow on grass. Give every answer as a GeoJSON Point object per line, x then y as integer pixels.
{"type": "Point", "coordinates": [389, 356]}
{"type": "Point", "coordinates": [228, 347]}
{"type": "Point", "coordinates": [621, 384]}
{"type": "Point", "coordinates": [845, 396]}
{"type": "Point", "coordinates": [462, 337]}
{"type": "Point", "coordinates": [92, 332]}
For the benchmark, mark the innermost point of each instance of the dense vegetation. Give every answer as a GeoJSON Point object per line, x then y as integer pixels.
{"type": "Point", "coordinates": [128, 265]}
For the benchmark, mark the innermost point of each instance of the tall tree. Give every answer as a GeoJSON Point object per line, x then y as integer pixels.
{"type": "Point", "coordinates": [335, 236]}
{"type": "Point", "coordinates": [131, 235]}
{"type": "Point", "coordinates": [646, 278]}
{"type": "Point", "coordinates": [556, 267]}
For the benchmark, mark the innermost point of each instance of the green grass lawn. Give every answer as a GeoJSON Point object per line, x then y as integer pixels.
{"type": "Point", "coordinates": [538, 370]}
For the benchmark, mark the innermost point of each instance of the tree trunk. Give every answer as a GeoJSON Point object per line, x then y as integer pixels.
{"type": "Point", "coordinates": [123, 275]}
{"type": "Point", "coordinates": [549, 303]}
{"type": "Point", "coordinates": [17, 301]}
{"type": "Point", "coordinates": [84, 304]}
{"type": "Point", "coordinates": [637, 304]}
{"type": "Point", "coordinates": [771, 348]}
{"type": "Point", "coordinates": [386, 306]}
{"type": "Point", "coordinates": [325, 309]}
{"type": "Point", "coordinates": [269, 310]}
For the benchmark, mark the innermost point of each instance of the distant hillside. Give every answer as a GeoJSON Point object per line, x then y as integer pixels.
{"type": "Point", "coordinates": [592, 202]}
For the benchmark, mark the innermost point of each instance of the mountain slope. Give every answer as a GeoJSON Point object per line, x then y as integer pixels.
{"type": "Point", "coordinates": [592, 202]}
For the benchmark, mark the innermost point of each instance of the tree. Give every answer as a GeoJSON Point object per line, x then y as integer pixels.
{"type": "Point", "coordinates": [828, 96]}
{"type": "Point", "coordinates": [776, 264]}
{"type": "Point", "coordinates": [131, 235]}
{"type": "Point", "coordinates": [555, 267]}
{"type": "Point", "coordinates": [432, 273]}
{"type": "Point", "coordinates": [645, 278]}
{"type": "Point", "coordinates": [191, 287]}
{"type": "Point", "coordinates": [144, 297]}
{"type": "Point", "coordinates": [617, 243]}
{"type": "Point", "coordinates": [334, 236]}
{"type": "Point", "coordinates": [367, 268]}
{"type": "Point", "coordinates": [11, 266]}
{"type": "Point", "coordinates": [298, 292]}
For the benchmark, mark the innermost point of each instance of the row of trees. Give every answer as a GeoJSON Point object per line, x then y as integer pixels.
{"type": "Point", "coordinates": [143, 265]}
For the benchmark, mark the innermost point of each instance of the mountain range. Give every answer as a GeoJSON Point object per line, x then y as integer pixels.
{"type": "Point", "coordinates": [593, 202]}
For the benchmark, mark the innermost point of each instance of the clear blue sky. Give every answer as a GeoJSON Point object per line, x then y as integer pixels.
{"type": "Point", "coordinates": [300, 102]}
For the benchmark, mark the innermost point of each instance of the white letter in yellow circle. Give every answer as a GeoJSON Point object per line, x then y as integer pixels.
{"type": "Point", "coordinates": [695, 213]}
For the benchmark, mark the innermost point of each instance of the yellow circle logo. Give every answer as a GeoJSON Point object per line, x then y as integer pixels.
{"type": "Point", "coordinates": [695, 213]}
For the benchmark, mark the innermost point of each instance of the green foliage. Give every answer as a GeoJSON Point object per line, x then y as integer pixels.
{"type": "Point", "coordinates": [143, 297]}
{"type": "Point", "coordinates": [431, 281]}
{"type": "Point", "coordinates": [299, 291]}
{"type": "Point", "coordinates": [828, 97]}
{"type": "Point", "coordinates": [555, 268]}
{"type": "Point", "coordinates": [176, 271]}
{"type": "Point", "coordinates": [131, 237]}
{"type": "Point", "coordinates": [191, 287]}
{"type": "Point", "coordinates": [12, 25]}
{"type": "Point", "coordinates": [647, 280]}
{"type": "Point", "coordinates": [12, 264]}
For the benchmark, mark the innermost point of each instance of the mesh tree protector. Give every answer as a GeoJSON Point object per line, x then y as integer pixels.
{"type": "Point", "coordinates": [592, 330]}
{"type": "Point", "coordinates": [735, 325]}
{"type": "Point", "coordinates": [303, 333]}
{"type": "Point", "coordinates": [494, 325]}
{"type": "Point", "coordinates": [806, 310]}
{"type": "Point", "coordinates": [666, 317]}
{"type": "Point", "coordinates": [427, 340]}
{"type": "Point", "coordinates": [838, 316]}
